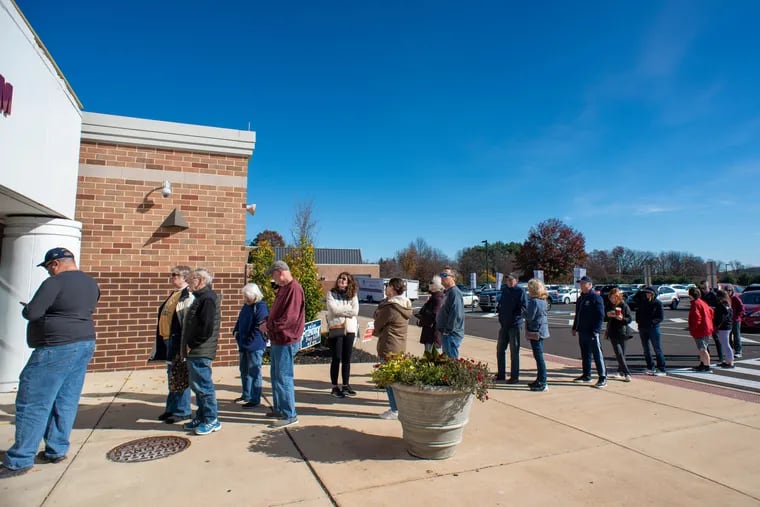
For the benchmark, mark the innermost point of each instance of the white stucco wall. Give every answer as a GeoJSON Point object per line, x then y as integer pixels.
{"type": "Point", "coordinates": [39, 140]}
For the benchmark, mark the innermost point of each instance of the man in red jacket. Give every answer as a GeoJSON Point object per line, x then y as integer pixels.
{"type": "Point", "coordinates": [285, 329]}
{"type": "Point", "coordinates": [700, 327]}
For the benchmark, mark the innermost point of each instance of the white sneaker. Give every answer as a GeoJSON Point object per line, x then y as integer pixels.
{"type": "Point", "coordinates": [619, 376]}
{"type": "Point", "coordinates": [627, 378]}
{"type": "Point", "coordinates": [389, 414]}
{"type": "Point", "coordinates": [659, 373]}
{"type": "Point", "coordinates": [650, 372]}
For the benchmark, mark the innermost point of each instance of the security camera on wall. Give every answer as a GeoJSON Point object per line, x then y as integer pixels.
{"type": "Point", "coordinates": [251, 208]}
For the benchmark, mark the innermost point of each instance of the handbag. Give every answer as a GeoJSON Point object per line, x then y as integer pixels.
{"type": "Point", "coordinates": [531, 335]}
{"type": "Point", "coordinates": [178, 376]}
{"type": "Point", "coordinates": [336, 331]}
{"type": "Point", "coordinates": [628, 332]}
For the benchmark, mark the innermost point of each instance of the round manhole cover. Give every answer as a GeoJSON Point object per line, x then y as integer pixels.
{"type": "Point", "coordinates": [147, 449]}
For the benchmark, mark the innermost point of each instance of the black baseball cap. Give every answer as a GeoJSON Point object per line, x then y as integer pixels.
{"type": "Point", "coordinates": [55, 254]}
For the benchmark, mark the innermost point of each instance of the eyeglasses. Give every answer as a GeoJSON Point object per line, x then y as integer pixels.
{"type": "Point", "coordinates": [342, 278]}
{"type": "Point", "coordinates": [445, 275]}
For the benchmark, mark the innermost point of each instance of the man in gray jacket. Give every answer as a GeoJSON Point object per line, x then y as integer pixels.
{"type": "Point", "coordinates": [200, 335]}
{"type": "Point", "coordinates": [450, 318]}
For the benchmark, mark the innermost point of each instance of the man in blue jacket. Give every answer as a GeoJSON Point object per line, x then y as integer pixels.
{"type": "Point", "coordinates": [589, 315]}
{"type": "Point", "coordinates": [511, 308]}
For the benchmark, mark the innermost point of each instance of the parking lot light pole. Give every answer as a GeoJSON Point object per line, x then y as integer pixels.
{"type": "Point", "coordinates": [485, 241]}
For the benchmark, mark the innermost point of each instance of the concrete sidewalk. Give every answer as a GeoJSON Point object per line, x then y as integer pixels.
{"type": "Point", "coordinates": [649, 442]}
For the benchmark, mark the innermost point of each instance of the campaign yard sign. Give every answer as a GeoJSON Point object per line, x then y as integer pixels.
{"type": "Point", "coordinates": [311, 334]}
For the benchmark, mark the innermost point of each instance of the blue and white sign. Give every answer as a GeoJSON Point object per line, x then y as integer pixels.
{"type": "Point", "coordinates": [311, 334]}
{"type": "Point", "coordinates": [473, 280]}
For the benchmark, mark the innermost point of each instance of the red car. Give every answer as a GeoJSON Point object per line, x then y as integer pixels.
{"type": "Point", "coordinates": [751, 300]}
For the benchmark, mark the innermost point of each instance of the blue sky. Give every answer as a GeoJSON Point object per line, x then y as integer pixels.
{"type": "Point", "coordinates": [637, 123]}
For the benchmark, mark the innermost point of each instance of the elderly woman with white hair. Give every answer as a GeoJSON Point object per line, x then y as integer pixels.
{"type": "Point", "coordinates": [251, 343]}
{"type": "Point", "coordinates": [430, 336]}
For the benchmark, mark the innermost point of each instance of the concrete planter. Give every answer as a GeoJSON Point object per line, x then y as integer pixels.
{"type": "Point", "coordinates": [433, 419]}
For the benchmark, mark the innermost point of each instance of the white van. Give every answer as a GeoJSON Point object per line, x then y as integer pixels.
{"type": "Point", "coordinates": [372, 290]}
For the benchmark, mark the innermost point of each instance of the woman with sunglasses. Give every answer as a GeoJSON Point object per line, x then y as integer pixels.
{"type": "Point", "coordinates": [391, 323]}
{"type": "Point", "coordinates": [168, 335]}
{"type": "Point", "coordinates": [342, 309]}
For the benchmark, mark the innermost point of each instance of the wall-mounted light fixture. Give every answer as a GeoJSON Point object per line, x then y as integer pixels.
{"type": "Point", "coordinates": [251, 208]}
{"type": "Point", "coordinates": [166, 190]}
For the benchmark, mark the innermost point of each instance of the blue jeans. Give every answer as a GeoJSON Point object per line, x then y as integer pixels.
{"type": "Point", "coordinates": [391, 398]}
{"type": "Point", "coordinates": [591, 347]}
{"type": "Point", "coordinates": [281, 373]}
{"type": "Point", "coordinates": [250, 374]}
{"type": "Point", "coordinates": [508, 337]}
{"type": "Point", "coordinates": [176, 403]}
{"type": "Point", "coordinates": [451, 345]}
{"type": "Point", "coordinates": [652, 335]}
{"type": "Point", "coordinates": [538, 354]}
{"type": "Point", "coordinates": [47, 401]}
{"type": "Point", "coordinates": [202, 384]}
{"type": "Point", "coordinates": [736, 337]}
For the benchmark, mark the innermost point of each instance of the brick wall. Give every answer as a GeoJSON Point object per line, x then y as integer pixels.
{"type": "Point", "coordinates": [130, 253]}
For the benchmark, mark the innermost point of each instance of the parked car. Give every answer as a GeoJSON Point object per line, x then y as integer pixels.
{"type": "Point", "coordinates": [468, 295]}
{"type": "Point", "coordinates": [666, 295]}
{"type": "Point", "coordinates": [489, 299]}
{"type": "Point", "coordinates": [483, 286]}
{"type": "Point", "coordinates": [681, 290]}
{"type": "Point", "coordinates": [751, 300]}
{"type": "Point", "coordinates": [567, 296]}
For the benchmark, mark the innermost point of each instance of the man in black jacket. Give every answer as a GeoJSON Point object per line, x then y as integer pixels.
{"type": "Point", "coordinates": [511, 307]}
{"type": "Point", "coordinates": [200, 335]}
{"type": "Point", "coordinates": [589, 315]}
{"type": "Point", "coordinates": [649, 315]}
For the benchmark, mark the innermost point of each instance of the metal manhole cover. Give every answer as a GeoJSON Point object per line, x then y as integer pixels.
{"type": "Point", "coordinates": [147, 449]}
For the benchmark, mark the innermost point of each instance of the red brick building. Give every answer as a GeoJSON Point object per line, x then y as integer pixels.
{"type": "Point", "coordinates": [132, 235]}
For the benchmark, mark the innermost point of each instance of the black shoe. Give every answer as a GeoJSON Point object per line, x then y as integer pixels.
{"type": "Point", "coordinates": [174, 419]}
{"type": "Point", "coordinates": [7, 473]}
{"type": "Point", "coordinates": [512, 380]}
{"type": "Point", "coordinates": [164, 416]}
{"type": "Point", "coordinates": [583, 379]}
{"type": "Point", "coordinates": [726, 365]}
{"type": "Point", "coordinates": [539, 388]}
{"type": "Point", "coordinates": [533, 384]}
{"type": "Point", "coordinates": [238, 400]}
{"type": "Point", "coordinates": [49, 459]}
{"type": "Point", "coordinates": [602, 382]}
{"type": "Point", "coordinates": [499, 378]}
{"type": "Point", "coordinates": [347, 391]}
{"type": "Point", "coordinates": [337, 392]}
{"type": "Point", "coordinates": [250, 404]}
{"type": "Point", "coordinates": [698, 367]}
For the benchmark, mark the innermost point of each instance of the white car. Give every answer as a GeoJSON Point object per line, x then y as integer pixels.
{"type": "Point", "coordinates": [681, 290]}
{"type": "Point", "coordinates": [568, 296]}
{"type": "Point", "coordinates": [470, 298]}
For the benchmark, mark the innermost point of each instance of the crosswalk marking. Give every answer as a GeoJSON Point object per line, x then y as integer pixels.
{"type": "Point", "coordinates": [749, 379]}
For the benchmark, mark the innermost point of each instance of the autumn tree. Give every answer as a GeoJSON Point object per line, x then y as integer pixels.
{"type": "Point", "coordinates": [303, 266]}
{"type": "Point", "coordinates": [552, 247]}
{"type": "Point", "coordinates": [274, 238]}
{"type": "Point", "coordinates": [261, 258]}
{"type": "Point", "coordinates": [501, 259]}
{"type": "Point", "coordinates": [418, 261]}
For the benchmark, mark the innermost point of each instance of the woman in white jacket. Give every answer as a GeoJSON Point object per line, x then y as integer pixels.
{"type": "Point", "coordinates": [342, 309]}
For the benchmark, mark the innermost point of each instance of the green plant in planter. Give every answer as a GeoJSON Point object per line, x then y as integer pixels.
{"type": "Point", "coordinates": [434, 370]}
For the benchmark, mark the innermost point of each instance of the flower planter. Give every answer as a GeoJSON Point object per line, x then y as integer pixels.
{"type": "Point", "coordinates": [432, 418]}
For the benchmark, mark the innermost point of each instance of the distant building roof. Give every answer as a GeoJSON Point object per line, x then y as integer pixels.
{"type": "Point", "coordinates": [340, 256]}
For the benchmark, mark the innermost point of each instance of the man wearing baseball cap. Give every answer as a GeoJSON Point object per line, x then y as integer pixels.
{"type": "Point", "coordinates": [285, 327]}
{"type": "Point", "coordinates": [589, 315]}
{"type": "Point", "coordinates": [62, 333]}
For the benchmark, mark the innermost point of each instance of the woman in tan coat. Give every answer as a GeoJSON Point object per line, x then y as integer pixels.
{"type": "Point", "coordinates": [391, 323]}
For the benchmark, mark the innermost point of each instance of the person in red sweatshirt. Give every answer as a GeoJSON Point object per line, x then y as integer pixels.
{"type": "Point", "coordinates": [700, 327]}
